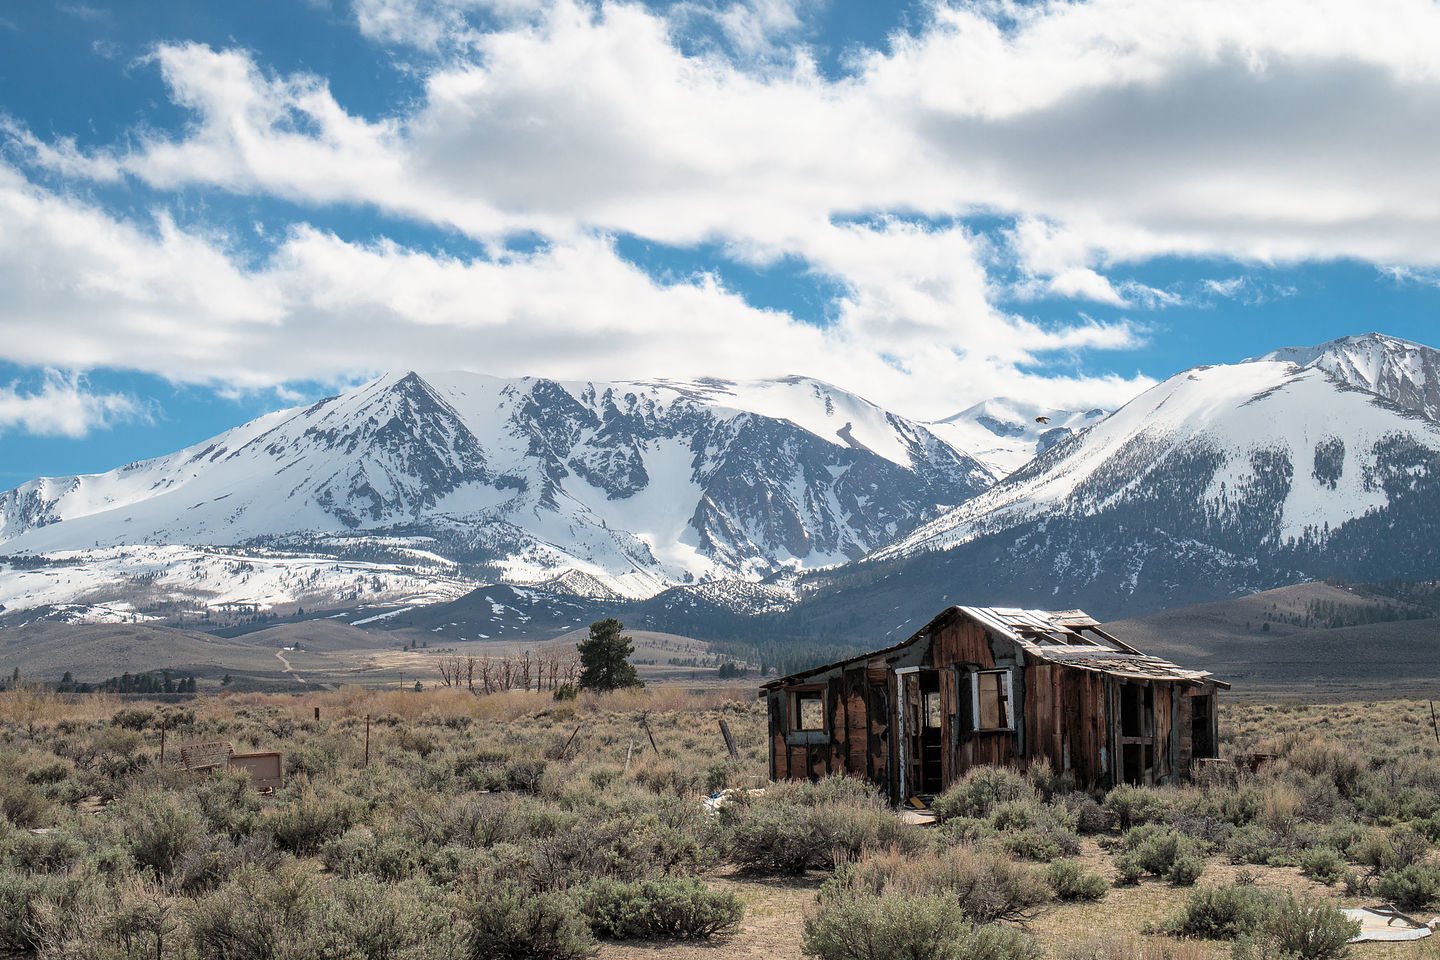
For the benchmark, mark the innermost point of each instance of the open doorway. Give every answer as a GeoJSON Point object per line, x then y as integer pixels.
{"type": "Point", "coordinates": [924, 733]}
{"type": "Point", "coordinates": [1137, 733]}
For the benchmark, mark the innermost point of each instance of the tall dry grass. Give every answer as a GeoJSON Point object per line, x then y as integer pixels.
{"type": "Point", "coordinates": [26, 706]}
{"type": "Point", "coordinates": [1110, 946]}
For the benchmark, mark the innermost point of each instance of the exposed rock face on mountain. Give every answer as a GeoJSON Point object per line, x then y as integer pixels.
{"type": "Point", "coordinates": [635, 485]}
{"type": "Point", "coordinates": [1222, 480]}
{"type": "Point", "coordinates": [679, 498]}
{"type": "Point", "coordinates": [1407, 374]}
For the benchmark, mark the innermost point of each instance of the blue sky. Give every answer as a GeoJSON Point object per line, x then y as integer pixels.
{"type": "Point", "coordinates": [208, 211]}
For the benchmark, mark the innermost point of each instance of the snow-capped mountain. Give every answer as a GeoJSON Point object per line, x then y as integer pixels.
{"type": "Point", "coordinates": [629, 486]}
{"type": "Point", "coordinates": [1405, 373]}
{"type": "Point", "coordinates": [1006, 433]}
{"type": "Point", "coordinates": [1305, 462]}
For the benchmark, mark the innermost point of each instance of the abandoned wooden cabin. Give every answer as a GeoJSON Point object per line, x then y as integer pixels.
{"type": "Point", "coordinates": [988, 685]}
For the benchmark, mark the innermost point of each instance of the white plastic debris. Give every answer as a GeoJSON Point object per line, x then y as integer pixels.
{"type": "Point", "coordinates": [1388, 923]}
{"type": "Point", "coordinates": [715, 801]}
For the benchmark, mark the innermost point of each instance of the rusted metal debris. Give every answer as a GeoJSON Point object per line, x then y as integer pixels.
{"type": "Point", "coordinates": [265, 768]}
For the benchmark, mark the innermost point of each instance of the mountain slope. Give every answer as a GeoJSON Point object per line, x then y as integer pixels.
{"type": "Point", "coordinates": [1006, 433]}
{"type": "Point", "coordinates": [632, 486]}
{"type": "Point", "coordinates": [1403, 372]}
{"type": "Point", "coordinates": [1221, 480]}
{"type": "Point", "coordinates": [1265, 450]}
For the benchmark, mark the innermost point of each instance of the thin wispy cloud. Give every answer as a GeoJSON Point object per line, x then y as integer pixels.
{"type": "Point", "coordinates": [63, 405]}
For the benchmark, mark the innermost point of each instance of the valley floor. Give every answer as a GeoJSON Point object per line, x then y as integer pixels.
{"type": "Point", "coordinates": [411, 824]}
{"type": "Point", "coordinates": [1115, 928]}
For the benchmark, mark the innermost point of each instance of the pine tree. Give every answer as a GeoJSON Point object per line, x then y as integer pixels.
{"type": "Point", "coordinates": [605, 658]}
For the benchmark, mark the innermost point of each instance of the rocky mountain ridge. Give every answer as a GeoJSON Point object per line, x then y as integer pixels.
{"type": "Point", "coordinates": [629, 486]}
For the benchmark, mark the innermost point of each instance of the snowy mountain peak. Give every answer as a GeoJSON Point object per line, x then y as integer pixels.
{"type": "Point", "coordinates": [1244, 475]}
{"type": "Point", "coordinates": [1403, 372]}
{"type": "Point", "coordinates": [636, 485]}
{"type": "Point", "coordinates": [1005, 433]}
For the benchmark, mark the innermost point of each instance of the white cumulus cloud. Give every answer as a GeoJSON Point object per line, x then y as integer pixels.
{"type": "Point", "coordinates": [1107, 132]}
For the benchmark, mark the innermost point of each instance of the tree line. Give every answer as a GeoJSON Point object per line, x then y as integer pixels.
{"type": "Point", "coordinates": [599, 662]}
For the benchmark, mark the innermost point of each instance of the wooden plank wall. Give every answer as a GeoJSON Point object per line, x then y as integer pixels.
{"type": "Point", "coordinates": [857, 728]}
{"type": "Point", "coordinates": [779, 759]}
{"type": "Point", "coordinates": [1164, 723]}
{"type": "Point", "coordinates": [1184, 753]}
{"type": "Point", "coordinates": [1065, 719]}
{"type": "Point", "coordinates": [879, 720]}
{"type": "Point", "coordinates": [801, 761]}
{"type": "Point", "coordinates": [995, 749]}
{"type": "Point", "coordinates": [963, 642]}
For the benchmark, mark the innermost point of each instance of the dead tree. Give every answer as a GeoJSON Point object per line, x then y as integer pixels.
{"type": "Point", "coordinates": [450, 670]}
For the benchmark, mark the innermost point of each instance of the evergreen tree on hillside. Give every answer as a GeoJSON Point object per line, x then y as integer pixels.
{"type": "Point", "coordinates": [605, 658]}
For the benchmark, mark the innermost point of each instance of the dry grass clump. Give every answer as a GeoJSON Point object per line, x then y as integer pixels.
{"type": "Point", "coordinates": [982, 883]}
{"type": "Point", "coordinates": [1111, 946]}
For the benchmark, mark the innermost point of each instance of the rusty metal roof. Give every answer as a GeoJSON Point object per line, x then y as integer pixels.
{"type": "Point", "coordinates": [1069, 637]}
{"type": "Point", "coordinates": [1133, 665]}
{"type": "Point", "coordinates": [1037, 629]}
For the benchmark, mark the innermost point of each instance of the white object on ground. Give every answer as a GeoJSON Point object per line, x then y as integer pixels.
{"type": "Point", "coordinates": [1383, 923]}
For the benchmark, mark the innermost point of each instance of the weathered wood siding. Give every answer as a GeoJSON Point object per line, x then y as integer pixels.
{"type": "Point", "coordinates": [1164, 726]}
{"type": "Point", "coordinates": [1066, 720]}
{"type": "Point", "coordinates": [949, 718]}
{"type": "Point", "coordinates": [962, 642]}
{"type": "Point", "coordinates": [857, 723]}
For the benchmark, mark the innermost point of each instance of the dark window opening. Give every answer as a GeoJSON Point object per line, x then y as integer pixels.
{"type": "Point", "coordinates": [1134, 755]}
{"type": "Point", "coordinates": [1137, 707]}
{"type": "Point", "coordinates": [1202, 712]}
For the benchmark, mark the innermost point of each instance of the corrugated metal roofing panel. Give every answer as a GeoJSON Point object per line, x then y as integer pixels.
{"type": "Point", "coordinates": [1099, 651]}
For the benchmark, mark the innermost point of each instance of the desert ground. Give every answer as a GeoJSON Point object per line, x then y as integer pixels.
{"type": "Point", "coordinates": [516, 824]}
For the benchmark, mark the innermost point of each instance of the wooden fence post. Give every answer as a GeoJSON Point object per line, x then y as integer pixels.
{"type": "Point", "coordinates": [645, 722]}
{"type": "Point", "coordinates": [729, 741]}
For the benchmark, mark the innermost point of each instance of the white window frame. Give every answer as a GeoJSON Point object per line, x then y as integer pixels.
{"type": "Point", "coordinates": [1009, 675]}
